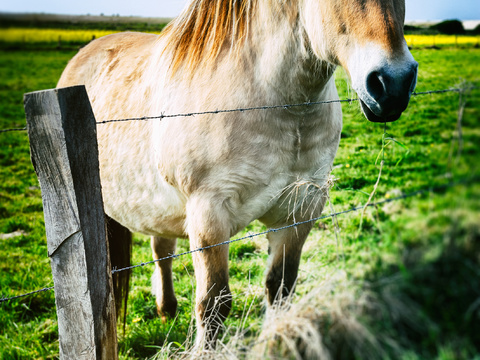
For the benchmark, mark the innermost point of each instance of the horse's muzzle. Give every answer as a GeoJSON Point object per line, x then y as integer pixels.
{"type": "Point", "coordinates": [388, 92]}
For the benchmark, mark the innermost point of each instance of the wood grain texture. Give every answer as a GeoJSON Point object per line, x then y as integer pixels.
{"type": "Point", "coordinates": [64, 152]}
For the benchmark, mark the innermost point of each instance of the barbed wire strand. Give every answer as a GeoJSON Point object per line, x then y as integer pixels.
{"type": "Point", "coordinates": [4, 299]}
{"type": "Point", "coordinates": [267, 107]}
{"type": "Point", "coordinates": [356, 208]}
{"type": "Point", "coordinates": [14, 129]}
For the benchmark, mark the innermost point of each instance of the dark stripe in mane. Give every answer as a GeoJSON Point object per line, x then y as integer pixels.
{"type": "Point", "coordinates": [199, 33]}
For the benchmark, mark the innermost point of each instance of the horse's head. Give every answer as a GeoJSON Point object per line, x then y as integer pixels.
{"type": "Point", "coordinates": [366, 38]}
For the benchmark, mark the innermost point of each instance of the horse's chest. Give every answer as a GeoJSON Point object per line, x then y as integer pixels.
{"type": "Point", "coordinates": [289, 174]}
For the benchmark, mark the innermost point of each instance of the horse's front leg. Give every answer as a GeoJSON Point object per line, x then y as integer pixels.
{"type": "Point", "coordinates": [208, 224]}
{"type": "Point", "coordinates": [285, 249]}
{"type": "Point", "coordinates": [162, 280]}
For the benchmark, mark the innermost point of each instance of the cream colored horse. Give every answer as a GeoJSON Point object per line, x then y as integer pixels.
{"type": "Point", "coordinates": [207, 177]}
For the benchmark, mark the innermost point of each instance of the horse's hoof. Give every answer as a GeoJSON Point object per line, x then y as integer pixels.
{"type": "Point", "coordinates": [167, 310]}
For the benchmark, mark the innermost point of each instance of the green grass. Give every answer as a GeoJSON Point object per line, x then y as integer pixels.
{"type": "Point", "coordinates": [424, 250]}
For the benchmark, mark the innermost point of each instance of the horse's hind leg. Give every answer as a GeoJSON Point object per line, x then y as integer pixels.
{"type": "Point", "coordinates": [285, 249]}
{"type": "Point", "coordinates": [120, 249]}
{"type": "Point", "coordinates": [162, 280]}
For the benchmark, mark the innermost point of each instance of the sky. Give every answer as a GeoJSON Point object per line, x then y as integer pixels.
{"type": "Point", "coordinates": [416, 9]}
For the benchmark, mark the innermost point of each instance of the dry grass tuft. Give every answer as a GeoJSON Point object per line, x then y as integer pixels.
{"type": "Point", "coordinates": [333, 321]}
{"type": "Point", "coordinates": [304, 197]}
{"type": "Point", "coordinates": [325, 324]}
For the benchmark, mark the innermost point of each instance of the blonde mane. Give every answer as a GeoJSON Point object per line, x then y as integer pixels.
{"type": "Point", "coordinates": [199, 33]}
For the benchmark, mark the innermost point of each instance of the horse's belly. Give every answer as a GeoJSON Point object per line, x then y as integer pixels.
{"type": "Point", "coordinates": [157, 209]}
{"type": "Point", "coordinates": [134, 193]}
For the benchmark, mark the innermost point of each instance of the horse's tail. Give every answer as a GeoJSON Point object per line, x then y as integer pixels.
{"type": "Point", "coordinates": [120, 244]}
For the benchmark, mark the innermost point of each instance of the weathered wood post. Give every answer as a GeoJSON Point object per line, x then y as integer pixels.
{"type": "Point", "coordinates": [64, 153]}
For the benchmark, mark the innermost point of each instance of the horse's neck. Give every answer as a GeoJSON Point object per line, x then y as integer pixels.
{"type": "Point", "coordinates": [273, 65]}
{"type": "Point", "coordinates": [283, 59]}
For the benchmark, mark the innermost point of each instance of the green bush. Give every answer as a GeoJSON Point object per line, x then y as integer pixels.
{"type": "Point", "coordinates": [476, 31]}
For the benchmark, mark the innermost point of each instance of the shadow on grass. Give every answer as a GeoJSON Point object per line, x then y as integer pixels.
{"type": "Point", "coordinates": [430, 303]}
{"type": "Point", "coordinates": [443, 290]}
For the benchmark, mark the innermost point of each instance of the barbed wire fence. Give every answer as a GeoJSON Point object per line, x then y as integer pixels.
{"type": "Point", "coordinates": [434, 189]}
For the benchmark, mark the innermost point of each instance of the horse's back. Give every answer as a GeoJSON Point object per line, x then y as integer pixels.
{"type": "Point", "coordinates": [104, 55]}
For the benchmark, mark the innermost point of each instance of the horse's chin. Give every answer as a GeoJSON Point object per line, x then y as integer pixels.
{"type": "Point", "coordinates": [371, 116]}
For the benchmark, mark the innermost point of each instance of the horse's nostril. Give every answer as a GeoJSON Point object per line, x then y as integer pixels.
{"type": "Point", "coordinates": [375, 85]}
{"type": "Point", "coordinates": [412, 78]}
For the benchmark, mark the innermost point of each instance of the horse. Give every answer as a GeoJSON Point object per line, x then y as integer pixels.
{"type": "Point", "coordinates": [207, 177]}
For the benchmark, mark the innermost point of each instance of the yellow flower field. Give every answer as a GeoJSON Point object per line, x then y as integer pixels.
{"type": "Point", "coordinates": [441, 40]}
{"type": "Point", "coordinates": [32, 35]}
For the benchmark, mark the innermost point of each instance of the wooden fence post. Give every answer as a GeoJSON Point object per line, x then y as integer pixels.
{"type": "Point", "coordinates": [63, 143]}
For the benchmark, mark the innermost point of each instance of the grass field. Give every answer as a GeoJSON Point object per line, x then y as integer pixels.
{"type": "Point", "coordinates": [405, 286]}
